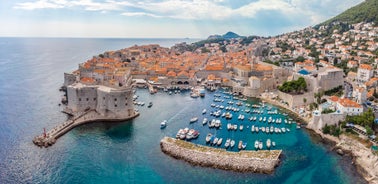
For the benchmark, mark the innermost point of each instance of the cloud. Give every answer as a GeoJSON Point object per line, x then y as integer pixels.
{"type": "Point", "coordinates": [138, 14]}
{"type": "Point", "coordinates": [313, 11]}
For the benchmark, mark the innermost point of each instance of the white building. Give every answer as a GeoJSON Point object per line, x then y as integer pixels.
{"type": "Point", "coordinates": [349, 107]}
{"type": "Point", "coordinates": [364, 72]}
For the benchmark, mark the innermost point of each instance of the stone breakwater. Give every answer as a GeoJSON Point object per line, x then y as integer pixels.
{"type": "Point", "coordinates": [50, 137]}
{"type": "Point", "coordinates": [244, 161]}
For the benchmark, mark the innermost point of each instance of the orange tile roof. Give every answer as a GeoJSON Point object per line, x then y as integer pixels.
{"type": "Point", "coordinates": [371, 82]}
{"type": "Point", "coordinates": [171, 74]}
{"type": "Point", "coordinates": [366, 67]}
{"type": "Point", "coordinates": [349, 103]}
{"type": "Point", "coordinates": [87, 80]}
{"type": "Point", "coordinates": [334, 98]}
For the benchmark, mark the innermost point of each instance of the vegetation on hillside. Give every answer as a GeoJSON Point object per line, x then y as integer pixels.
{"type": "Point", "coordinates": [366, 119]}
{"type": "Point", "coordinates": [366, 11]}
{"type": "Point", "coordinates": [296, 86]}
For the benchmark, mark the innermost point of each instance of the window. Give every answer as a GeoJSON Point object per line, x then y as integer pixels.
{"type": "Point", "coordinates": [79, 99]}
{"type": "Point", "coordinates": [103, 98]}
{"type": "Point", "coordinates": [115, 99]}
{"type": "Point", "coordinates": [94, 99]}
{"type": "Point", "coordinates": [87, 99]}
{"type": "Point", "coordinates": [115, 105]}
{"type": "Point", "coordinates": [125, 104]}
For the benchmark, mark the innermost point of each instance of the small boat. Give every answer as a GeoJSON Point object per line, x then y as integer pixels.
{"type": "Point", "coordinates": [273, 143]}
{"type": "Point", "coordinates": [232, 143]}
{"type": "Point", "coordinates": [240, 145]}
{"type": "Point", "coordinates": [253, 129]}
{"type": "Point", "coordinates": [260, 145]}
{"type": "Point", "coordinates": [189, 135]}
{"type": "Point", "coordinates": [244, 145]}
{"type": "Point", "coordinates": [227, 144]}
{"type": "Point", "coordinates": [204, 111]}
{"type": "Point", "coordinates": [204, 121]}
{"type": "Point", "coordinates": [235, 127]}
{"type": "Point", "coordinates": [208, 137]}
{"type": "Point", "coordinates": [194, 119]}
{"type": "Point", "coordinates": [241, 127]}
{"type": "Point", "coordinates": [163, 124]}
{"type": "Point", "coordinates": [217, 123]}
{"type": "Point", "coordinates": [179, 133]}
{"type": "Point", "coordinates": [229, 126]}
{"type": "Point", "coordinates": [220, 140]}
{"type": "Point", "coordinates": [268, 143]}
{"type": "Point", "coordinates": [149, 105]}
{"type": "Point", "coordinates": [195, 134]}
{"type": "Point", "coordinates": [215, 140]}
{"type": "Point", "coordinates": [256, 144]}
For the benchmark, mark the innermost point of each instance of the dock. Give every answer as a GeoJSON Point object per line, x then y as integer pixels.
{"type": "Point", "coordinates": [48, 138]}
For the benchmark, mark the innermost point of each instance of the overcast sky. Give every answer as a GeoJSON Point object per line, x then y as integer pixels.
{"type": "Point", "coordinates": [162, 18]}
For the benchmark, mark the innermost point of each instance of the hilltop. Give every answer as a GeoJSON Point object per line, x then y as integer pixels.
{"type": "Point", "coordinates": [227, 36]}
{"type": "Point", "coordinates": [366, 11]}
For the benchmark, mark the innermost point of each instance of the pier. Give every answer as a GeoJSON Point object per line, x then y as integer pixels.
{"type": "Point", "coordinates": [48, 138]}
{"type": "Point", "coordinates": [262, 161]}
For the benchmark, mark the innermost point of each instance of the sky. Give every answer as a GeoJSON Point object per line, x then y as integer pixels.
{"type": "Point", "coordinates": [162, 18]}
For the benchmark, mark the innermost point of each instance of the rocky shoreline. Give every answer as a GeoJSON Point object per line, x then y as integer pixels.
{"type": "Point", "coordinates": [364, 159]}
{"type": "Point", "coordinates": [243, 161]}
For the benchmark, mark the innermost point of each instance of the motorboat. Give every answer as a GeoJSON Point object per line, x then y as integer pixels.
{"type": "Point", "coordinates": [163, 124]}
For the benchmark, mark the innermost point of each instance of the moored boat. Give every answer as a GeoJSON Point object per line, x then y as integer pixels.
{"type": "Point", "coordinates": [232, 143]}
{"type": "Point", "coordinates": [241, 127]}
{"type": "Point", "coordinates": [149, 105]}
{"type": "Point", "coordinates": [208, 137]}
{"type": "Point", "coordinates": [256, 144]}
{"type": "Point", "coordinates": [227, 144]}
{"type": "Point", "coordinates": [204, 121]}
{"type": "Point", "coordinates": [240, 145]}
{"type": "Point", "coordinates": [244, 145]}
{"type": "Point", "coordinates": [220, 140]}
{"type": "Point", "coordinates": [204, 111]}
{"type": "Point", "coordinates": [268, 143]}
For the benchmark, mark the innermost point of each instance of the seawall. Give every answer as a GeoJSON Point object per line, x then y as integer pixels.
{"type": "Point", "coordinates": [262, 161]}
{"type": "Point", "coordinates": [91, 116]}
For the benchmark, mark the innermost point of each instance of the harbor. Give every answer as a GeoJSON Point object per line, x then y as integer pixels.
{"type": "Point", "coordinates": [244, 161]}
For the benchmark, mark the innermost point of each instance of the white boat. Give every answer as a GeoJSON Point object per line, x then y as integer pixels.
{"type": "Point", "coordinates": [194, 119]}
{"type": "Point", "coordinates": [256, 144]}
{"type": "Point", "coordinates": [260, 145]}
{"type": "Point", "coordinates": [215, 141]}
{"type": "Point", "coordinates": [273, 143]}
{"type": "Point", "coordinates": [232, 143]}
{"type": "Point", "coordinates": [283, 130]}
{"type": "Point", "coordinates": [178, 135]}
{"type": "Point", "coordinates": [163, 124]}
{"type": "Point", "coordinates": [244, 145]}
{"type": "Point", "coordinates": [241, 127]}
{"type": "Point", "coordinates": [257, 129]}
{"type": "Point", "coordinates": [220, 141]}
{"type": "Point", "coordinates": [235, 127]}
{"type": "Point", "coordinates": [267, 130]}
{"type": "Point", "coordinates": [189, 135]}
{"type": "Point", "coordinates": [240, 145]}
{"type": "Point", "coordinates": [268, 143]}
{"type": "Point", "coordinates": [204, 121]}
{"type": "Point", "coordinates": [229, 126]}
{"type": "Point", "coordinates": [195, 134]}
{"type": "Point", "coordinates": [208, 137]}
{"type": "Point", "coordinates": [253, 129]}
{"type": "Point", "coordinates": [227, 144]}
{"type": "Point", "coordinates": [204, 111]}
{"type": "Point", "coordinates": [271, 129]}
{"type": "Point", "coordinates": [217, 123]}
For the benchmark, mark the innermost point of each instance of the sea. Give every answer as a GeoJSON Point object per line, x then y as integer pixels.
{"type": "Point", "coordinates": [31, 73]}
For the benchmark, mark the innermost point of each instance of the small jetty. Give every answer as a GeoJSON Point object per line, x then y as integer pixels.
{"type": "Point", "coordinates": [261, 161]}
{"type": "Point", "coordinates": [48, 138]}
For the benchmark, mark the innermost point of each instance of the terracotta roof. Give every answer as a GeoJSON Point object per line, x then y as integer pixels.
{"type": "Point", "coordinates": [366, 67]}
{"type": "Point", "coordinates": [334, 98]}
{"type": "Point", "coordinates": [349, 103]}
{"type": "Point", "coordinates": [171, 74]}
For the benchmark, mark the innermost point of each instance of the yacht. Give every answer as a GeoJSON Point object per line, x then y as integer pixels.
{"type": "Point", "coordinates": [232, 143]}
{"type": "Point", "coordinates": [204, 111]}
{"type": "Point", "coordinates": [227, 144]}
{"type": "Point", "coordinates": [268, 143]}
{"type": "Point", "coordinates": [204, 121]}
{"type": "Point", "coordinates": [208, 137]}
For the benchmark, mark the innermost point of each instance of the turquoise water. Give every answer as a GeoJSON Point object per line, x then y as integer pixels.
{"type": "Point", "coordinates": [31, 72]}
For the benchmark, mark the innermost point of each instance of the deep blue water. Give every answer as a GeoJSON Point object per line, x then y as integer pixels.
{"type": "Point", "coordinates": [31, 72]}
